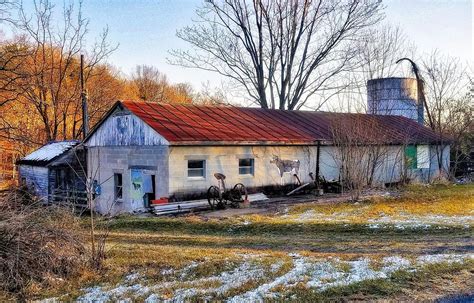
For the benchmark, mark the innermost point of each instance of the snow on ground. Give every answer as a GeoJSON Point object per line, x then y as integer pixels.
{"type": "Point", "coordinates": [412, 221]}
{"type": "Point", "coordinates": [324, 274]}
{"type": "Point", "coordinates": [400, 221]}
{"type": "Point", "coordinates": [316, 274]}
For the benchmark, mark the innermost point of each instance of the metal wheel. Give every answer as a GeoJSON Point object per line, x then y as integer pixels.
{"type": "Point", "coordinates": [239, 194]}
{"type": "Point", "coordinates": [213, 197]}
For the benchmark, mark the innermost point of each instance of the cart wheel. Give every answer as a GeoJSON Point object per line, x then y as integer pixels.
{"type": "Point", "coordinates": [213, 197]}
{"type": "Point", "coordinates": [239, 194]}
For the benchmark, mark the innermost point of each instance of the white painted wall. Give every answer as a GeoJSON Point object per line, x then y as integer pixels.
{"type": "Point", "coordinates": [224, 159]}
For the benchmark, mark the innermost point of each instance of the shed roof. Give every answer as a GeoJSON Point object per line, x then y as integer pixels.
{"type": "Point", "coordinates": [48, 152]}
{"type": "Point", "coordinates": [207, 125]}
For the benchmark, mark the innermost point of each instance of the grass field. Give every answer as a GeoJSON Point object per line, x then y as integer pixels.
{"type": "Point", "coordinates": [417, 246]}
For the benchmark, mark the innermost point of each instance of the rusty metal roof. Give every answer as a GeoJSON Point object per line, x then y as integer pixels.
{"type": "Point", "coordinates": [197, 124]}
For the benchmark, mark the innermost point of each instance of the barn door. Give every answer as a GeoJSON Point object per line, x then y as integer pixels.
{"type": "Point", "coordinates": [143, 188]}
{"type": "Point", "coordinates": [136, 192]}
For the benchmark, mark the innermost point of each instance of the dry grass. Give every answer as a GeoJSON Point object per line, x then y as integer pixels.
{"type": "Point", "coordinates": [417, 202]}
{"type": "Point", "coordinates": [39, 247]}
{"type": "Point", "coordinates": [152, 246]}
{"type": "Point", "coordinates": [451, 200]}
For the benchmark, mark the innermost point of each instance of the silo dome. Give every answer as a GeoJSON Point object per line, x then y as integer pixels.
{"type": "Point", "coordinates": [394, 96]}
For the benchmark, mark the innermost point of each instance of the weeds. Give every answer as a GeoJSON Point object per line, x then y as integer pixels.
{"type": "Point", "coordinates": [38, 245]}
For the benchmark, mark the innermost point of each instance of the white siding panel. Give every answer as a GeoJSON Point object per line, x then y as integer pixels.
{"type": "Point", "coordinates": [125, 129]}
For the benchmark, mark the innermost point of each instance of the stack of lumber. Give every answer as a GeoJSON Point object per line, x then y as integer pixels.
{"type": "Point", "coordinates": [195, 205]}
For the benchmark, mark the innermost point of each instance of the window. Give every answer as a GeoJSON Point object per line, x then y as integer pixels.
{"type": "Point", "coordinates": [196, 168]}
{"type": "Point", "coordinates": [417, 156]}
{"type": "Point", "coordinates": [423, 156]}
{"type": "Point", "coordinates": [246, 166]}
{"type": "Point", "coordinates": [118, 185]}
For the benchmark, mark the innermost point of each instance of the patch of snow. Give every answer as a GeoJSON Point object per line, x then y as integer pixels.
{"type": "Point", "coordinates": [306, 216]}
{"type": "Point", "coordinates": [132, 277]}
{"type": "Point", "coordinates": [405, 221]}
{"type": "Point", "coordinates": [167, 272]}
{"type": "Point", "coordinates": [441, 258]}
{"type": "Point", "coordinates": [318, 274]}
{"type": "Point", "coordinates": [325, 274]}
{"type": "Point", "coordinates": [276, 266]}
{"type": "Point", "coordinates": [300, 267]}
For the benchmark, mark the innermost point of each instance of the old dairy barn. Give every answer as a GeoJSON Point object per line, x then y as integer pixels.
{"type": "Point", "coordinates": [143, 151]}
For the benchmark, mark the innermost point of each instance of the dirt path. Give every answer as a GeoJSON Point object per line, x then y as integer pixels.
{"type": "Point", "coordinates": [276, 204]}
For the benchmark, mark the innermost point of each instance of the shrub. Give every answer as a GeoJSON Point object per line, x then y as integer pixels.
{"type": "Point", "coordinates": [38, 244]}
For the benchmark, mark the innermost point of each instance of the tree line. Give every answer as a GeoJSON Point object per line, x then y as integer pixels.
{"type": "Point", "coordinates": [281, 54]}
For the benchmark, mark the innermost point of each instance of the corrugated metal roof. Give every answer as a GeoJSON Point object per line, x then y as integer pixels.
{"type": "Point", "coordinates": [48, 152]}
{"type": "Point", "coordinates": [196, 124]}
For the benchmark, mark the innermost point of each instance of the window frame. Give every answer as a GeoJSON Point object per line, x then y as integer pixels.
{"type": "Point", "coordinates": [203, 169]}
{"type": "Point", "coordinates": [118, 189]}
{"type": "Point", "coordinates": [251, 167]}
{"type": "Point", "coordinates": [423, 156]}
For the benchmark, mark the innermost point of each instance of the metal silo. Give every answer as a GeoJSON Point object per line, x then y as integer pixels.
{"type": "Point", "coordinates": [394, 96]}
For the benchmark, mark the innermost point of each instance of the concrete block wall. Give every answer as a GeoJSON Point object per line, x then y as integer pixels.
{"type": "Point", "coordinates": [103, 162]}
{"type": "Point", "coordinates": [224, 159]}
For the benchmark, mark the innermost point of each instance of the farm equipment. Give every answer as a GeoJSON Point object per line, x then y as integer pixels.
{"type": "Point", "coordinates": [219, 197]}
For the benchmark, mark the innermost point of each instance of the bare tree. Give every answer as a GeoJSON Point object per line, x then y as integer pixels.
{"type": "Point", "coordinates": [449, 101]}
{"type": "Point", "coordinates": [378, 50]}
{"type": "Point", "coordinates": [281, 52]}
{"type": "Point", "coordinates": [50, 73]}
{"type": "Point", "coordinates": [150, 83]}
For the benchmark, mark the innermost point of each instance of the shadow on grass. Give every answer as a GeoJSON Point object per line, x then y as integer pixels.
{"type": "Point", "coordinates": [224, 227]}
{"type": "Point", "coordinates": [316, 237]}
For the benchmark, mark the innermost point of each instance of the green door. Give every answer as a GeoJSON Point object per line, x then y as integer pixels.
{"type": "Point", "coordinates": [410, 156]}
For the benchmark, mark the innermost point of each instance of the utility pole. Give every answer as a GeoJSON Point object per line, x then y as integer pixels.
{"type": "Point", "coordinates": [89, 183]}
{"type": "Point", "coordinates": [85, 116]}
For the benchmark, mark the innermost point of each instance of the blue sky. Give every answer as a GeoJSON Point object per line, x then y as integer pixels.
{"type": "Point", "coordinates": [145, 30]}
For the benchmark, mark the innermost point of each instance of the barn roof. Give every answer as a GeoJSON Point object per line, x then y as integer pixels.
{"type": "Point", "coordinates": [197, 124]}
{"type": "Point", "coordinates": [48, 153]}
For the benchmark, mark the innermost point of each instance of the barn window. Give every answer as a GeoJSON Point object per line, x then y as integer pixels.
{"type": "Point", "coordinates": [196, 168]}
{"type": "Point", "coordinates": [246, 166]}
{"type": "Point", "coordinates": [423, 156]}
{"type": "Point", "coordinates": [118, 186]}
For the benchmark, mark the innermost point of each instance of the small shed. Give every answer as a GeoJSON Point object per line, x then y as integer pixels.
{"type": "Point", "coordinates": [55, 171]}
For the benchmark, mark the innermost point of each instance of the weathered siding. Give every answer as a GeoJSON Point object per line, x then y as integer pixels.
{"type": "Point", "coordinates": [36, 178]}
{"type": "Point", "coordinates": [103, 162]}
{"type": "Point", "coordinates": [125, 129]}
{"type": "Point", "coordinates": [70, 169]}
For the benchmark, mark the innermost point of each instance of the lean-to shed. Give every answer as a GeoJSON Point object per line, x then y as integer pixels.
{"type": "Point", "coordinates": [55, 171]}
